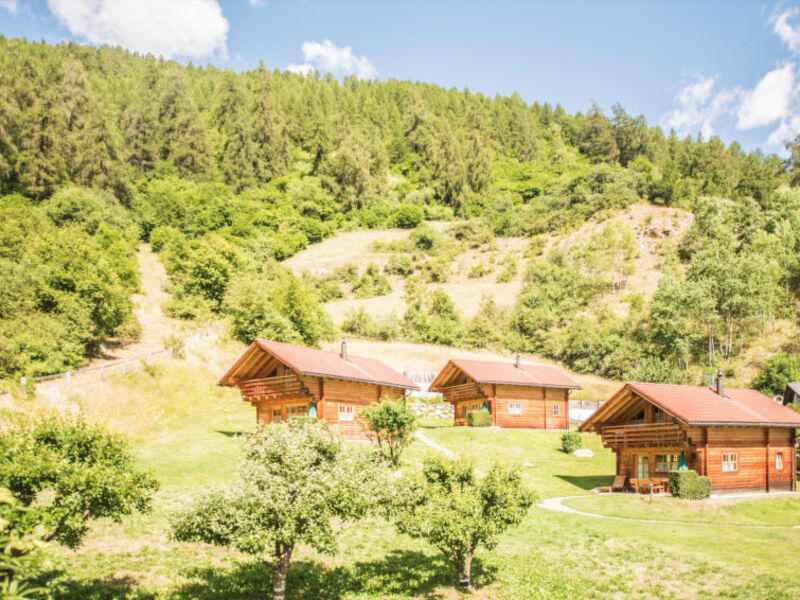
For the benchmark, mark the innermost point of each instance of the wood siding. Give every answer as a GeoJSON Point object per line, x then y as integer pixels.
{"type": "Point", "coordinates": [328, 395]}
{"type": "Point", "coordinates": [536, 406]}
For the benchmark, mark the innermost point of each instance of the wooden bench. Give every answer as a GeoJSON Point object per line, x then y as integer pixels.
{"type": "Point", "coordinates": [617, 486]}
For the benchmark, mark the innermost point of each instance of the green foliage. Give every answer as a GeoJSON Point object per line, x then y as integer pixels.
{"type": "Point", "coordinates": [399, 264]}
{"type": "Point", "coordinates": [393, 424]}
{"type": "Point", "coordinates": [294, 481]}
{"type": "Point", "coordinates": [431, 316]}
{"type": "Point", "coordinates": [689, 485]}
{"type": "Point", "coordinates": [779, 370]}
{"type": "Point", "coordinates": [22, 549]}
{"type": "Point", "coordinates": [478, 270]}
{"type": "Point", "coordinates": [508, 272]}
{"type": "Point", "coordinates": [479, 418]}
{"type": "Point", "coordinates": [84, 471]}
{"type": "Point", "coordinates": [457, 511]}
{"type": "Point", "coordinates": [571, 441]}
{"type": "Point", "coordinates": [407, 216]}
{"type": "Point", "coordinates": [371, 283]}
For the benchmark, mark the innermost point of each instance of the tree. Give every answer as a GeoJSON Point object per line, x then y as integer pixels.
{"type": "Point", "coordinates": [294, 481]}
{"type": "Point", "coordinates": [22, 548]}
{"type": "Point", "coordinates": [85, 471]}
{"type": "Point", "coordinates": [457, 510]}
{"type": "Point", "coordinates": [392, 423]}
{"type": "Point", "coordinates": [779, 370]}
{"type": "Point", "coordinates": [597, 139]}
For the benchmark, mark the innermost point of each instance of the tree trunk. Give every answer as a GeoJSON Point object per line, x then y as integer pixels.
{"type": "Point", "coordinates": [279, 571]}
{"type": "Point", "coordinates": [465, 574]}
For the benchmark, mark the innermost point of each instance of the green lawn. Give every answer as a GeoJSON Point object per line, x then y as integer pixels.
{"type": "Point", "coordinates": [762, 512]}
{"type": "Point", "coordinates": [186, 432]}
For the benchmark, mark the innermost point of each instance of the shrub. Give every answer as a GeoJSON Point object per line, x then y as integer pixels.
{"type": "Point", "coordinates": [571, 441]}
{"type": "Point", "coordinates": [777, 372]}
{"type": "Point", "coordinates": [407, 216]}
{"type": "Point", "coordinates": [479, 418]}
{"type": "Point", "coordinates": [161, 236]}
{"type": "Point", "coordinates": [359, 322]}
{"type": "Point", "coordinates": [508, 272]}
{"type": "Point", "coordinates": [399, 264]}
{"type": "Point", "coordinates": [478, 270]}
{"type": "Point", "coordinates": [689, 485]}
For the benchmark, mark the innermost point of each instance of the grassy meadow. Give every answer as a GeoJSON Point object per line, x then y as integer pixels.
{"type": "Point", "coordinates": [186, 430]}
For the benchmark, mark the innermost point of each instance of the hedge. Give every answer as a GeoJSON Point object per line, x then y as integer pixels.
{"type": "Point", "coordinates": [571, 441]}
{"type": "Point", "coordinates": [689, 485]}
{"type": "Point", "coordinates": [479, 418]}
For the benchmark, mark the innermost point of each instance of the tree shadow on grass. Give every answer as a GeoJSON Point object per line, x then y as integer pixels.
{"type": "Point", "coordinates": [587, 482]}
{"type": "Point", "coordinates": [234, 434]}
{"type": "Point", "coordinates": [399, 573]}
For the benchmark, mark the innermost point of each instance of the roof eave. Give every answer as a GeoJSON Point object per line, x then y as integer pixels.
{"type": "Point", "coordinates": [743, 424]}
{"type": "Point", "coordinates": [359, 380]}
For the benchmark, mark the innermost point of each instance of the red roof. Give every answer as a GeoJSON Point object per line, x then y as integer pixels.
{"type": "Point", "coordinates": [484, 371]}
{"type": "Point", "coordinates": [319, 363]}
{"type": "Point", "coordinates": [698, 405]}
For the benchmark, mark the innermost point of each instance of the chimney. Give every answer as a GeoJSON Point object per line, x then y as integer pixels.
{"type": "Point", "coordinates": [720, 387]}
{"type": "Point", "coordinates": [343, 353]}
{"type": "Point", "coordinates": [519, 361]}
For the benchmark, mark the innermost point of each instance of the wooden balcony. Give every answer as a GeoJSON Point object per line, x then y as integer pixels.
{"type": "Point", "coordinates": [256, 390]}
{"type": "Point", "coordinates": [465, 391]}
{"type": "Point", "coordinates": [647, 435]}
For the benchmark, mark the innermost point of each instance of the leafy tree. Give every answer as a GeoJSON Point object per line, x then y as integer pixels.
{"type": "Point", "coordinates": [407, 216]}
{"type": "Point", "coordinates": [598, 141]}
{"type": "Point", "coordinates": [84, 471]}
{"type": "Point", "coordinates": [779, 370]}
{"type": "Point", "coordinates": [22, 549]}
{"type": "Point", "coordinates": [392, 423]}
{"type": "Point", "coordinates": [459, 511]}
{"type": "Point", "coordinates": [294, 482]}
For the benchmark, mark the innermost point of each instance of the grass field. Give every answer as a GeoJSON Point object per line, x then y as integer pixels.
{"type": "Point", "coordinates": [186, 430]}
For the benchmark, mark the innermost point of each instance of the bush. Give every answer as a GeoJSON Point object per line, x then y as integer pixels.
{"type": "Point", "coordinates": [689, 485]}
{"type": "Point", "coordinates": [399, 264]}
{"type": "Point", "coordinates": [479, 418]}
{"type": "Point", "coordinates": [478, 270]}
{"type": "Point", "coordinates": [777, 372]}
{"type": "Point", "coordinates": [392, 423]}
{"type": "Point", "coordinates": [407, 216]}
{"type": "Point", "coordinates": [571, 441]}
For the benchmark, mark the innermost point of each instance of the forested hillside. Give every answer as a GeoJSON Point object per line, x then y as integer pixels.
{"type": "Point", "coordinates": [228, 174]}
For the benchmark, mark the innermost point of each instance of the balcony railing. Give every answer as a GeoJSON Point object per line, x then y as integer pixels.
{"type": "Point", "coordinates": [271, 387]}
{"type": "Point", "coordinates": [465, 391]}
{"type": "Point", "coordinates": [649, 434]}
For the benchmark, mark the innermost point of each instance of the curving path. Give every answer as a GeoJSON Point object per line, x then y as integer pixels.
{"type": "Point", "coordinates": [555, 504]}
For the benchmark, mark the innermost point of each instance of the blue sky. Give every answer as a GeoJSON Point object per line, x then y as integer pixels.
{"type": "Point", "coordinates": [724, 68]}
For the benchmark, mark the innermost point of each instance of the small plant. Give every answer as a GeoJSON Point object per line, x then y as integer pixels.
{"type": "Point", "coordinates": [508, 272]}
{"type": "Point", "coordinates": [399, 264]}
{"type": "Point", "coordinates": [478, 270]}
{"type": "Point", "coordinates": [479, 418]}
{"type": "Point", "coordinates": [689, 485]}
{"type": "Point", "coordinates": [571, 441]}
{"type": "Point", "coordinates": [177, 344]}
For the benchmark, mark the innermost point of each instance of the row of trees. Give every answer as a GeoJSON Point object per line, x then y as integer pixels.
{"type": "Point", "coordinates": [297, 485]}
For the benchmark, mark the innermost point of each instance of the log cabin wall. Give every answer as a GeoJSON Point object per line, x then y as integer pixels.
{"type": "Point", "coordinates": [353, 398]}
{"type": "Point", "coordinates": [536, 407]}
{"type": "Point", "coordinates": [461, 407]}
{"type": "Point", "coordinates": [764, 458]}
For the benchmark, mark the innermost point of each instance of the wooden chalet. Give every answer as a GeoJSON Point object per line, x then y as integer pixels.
{"type": "Point", "coordinates": [741, 439]}
{"type": "Point", "coordinates": [516, 394]}
{"type": "Point", "coordinates": [284, 381]}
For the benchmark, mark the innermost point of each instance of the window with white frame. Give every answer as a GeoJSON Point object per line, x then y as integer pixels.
{"type": "Point", "coordinates": [514, 408]}
{"type": "Point", "coordinates": [297, 411]}
{"type": "Point", "coordinates": [779, 461]}
{"type": "Point", "coordinates": [556, 410]}
{"type": "Point", "coordinates": [730, 462]}
{"type": "Point", "coordinates": [666, 462]}
{"type": "Point", "coordinates": [345, 412]}
{"type": "Point", "coordinates": [276, 415]}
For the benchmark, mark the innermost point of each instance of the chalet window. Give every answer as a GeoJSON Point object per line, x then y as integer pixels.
{"type": "Point", "coordinates": [514, 408]}
{"type": "Point", "coordinates": [779, 461]}
{"type": "Point", "coordinates": [276, 415]}
{"type": "Point", "coordinates": [643, 467]}
{"type": "Point", "coordinates": [297, 411]}
{"type": "Point", "coordinates": [556, 410]}
{"type": "Point", "coordinates": [464, 411]}
{"type": "Point", "coordinates": [666, 462]}
{"type": "Point", "coordinates": [730, 462]}
{"type": "Point", "coordinates": [345, 413]}
{"type": "Point", "coordinates": [638, 419]}
{"type": "Point", "coordinates": [476, 407]}
{"type": "Point", "coordinates": [658, 417]}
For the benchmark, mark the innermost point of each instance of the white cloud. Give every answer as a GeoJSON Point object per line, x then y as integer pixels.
{"type": "Point", "coordinates": [169, 28]}
{"type": "Point", "coordinates": [769, 101]}
{"type": "Point", "coordinates": [327, 56]}
{"type": "Point", "coordinates": [789, 34]}
{"type": "Point", "coordinates": [9, 5]}
{"type": "Point", "coordinates": [304, 70]}
{"type": "Point", "coordinates": [697, 107]}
